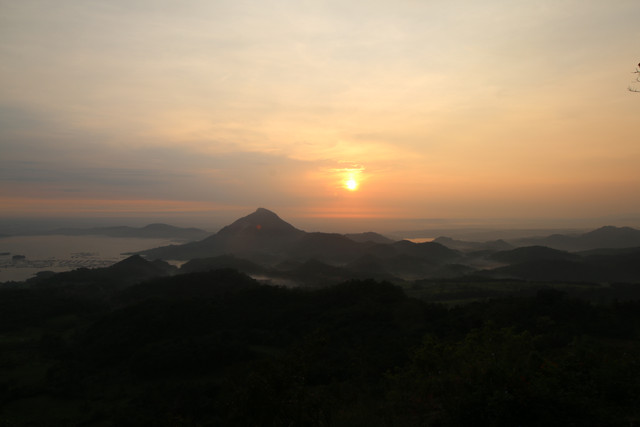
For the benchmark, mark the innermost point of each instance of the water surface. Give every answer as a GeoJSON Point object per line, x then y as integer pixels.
{"type": "Point", "coordinates": [63, 253]}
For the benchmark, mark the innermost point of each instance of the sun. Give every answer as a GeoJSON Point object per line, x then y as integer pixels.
{"type": "Point", "coordinates": [351, 184]}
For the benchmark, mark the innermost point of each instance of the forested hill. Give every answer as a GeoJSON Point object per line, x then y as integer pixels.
{"type": "Point", "coordinates": [219, 348]}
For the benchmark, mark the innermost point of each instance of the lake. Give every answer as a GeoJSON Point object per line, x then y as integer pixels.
{"type": "Point", "coordinates": [64, 253]}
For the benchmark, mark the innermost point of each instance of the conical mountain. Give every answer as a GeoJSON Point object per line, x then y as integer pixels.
{"type": "Point", "coordinates": [261, 231]}
{"type": "Point", "coordinates": [262, 222]}
{"type": "Point", "coordinates": [260, 236]}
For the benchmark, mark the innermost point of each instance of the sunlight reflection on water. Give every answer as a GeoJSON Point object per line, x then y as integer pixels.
{"type": "Point", "coordinates": [420, 239]}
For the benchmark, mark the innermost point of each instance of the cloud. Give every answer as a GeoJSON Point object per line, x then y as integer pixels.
{"type": "Point", "coordinates": [245, 103]}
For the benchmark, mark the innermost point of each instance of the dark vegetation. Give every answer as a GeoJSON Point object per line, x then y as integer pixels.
{"type": "Point", "coordinates": [219, 348]}
{"type": "Point", "coordinates": [368, 332]}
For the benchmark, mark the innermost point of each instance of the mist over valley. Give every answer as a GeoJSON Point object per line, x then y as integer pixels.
{"type": "Point", "coordinates": [262, 322]}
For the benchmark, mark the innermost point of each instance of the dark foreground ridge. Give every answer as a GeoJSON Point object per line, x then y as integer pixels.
{"type": "Point", "coordinates": [219, 348]}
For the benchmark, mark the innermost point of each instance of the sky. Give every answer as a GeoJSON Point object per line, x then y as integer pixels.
{"type": "Point", "coordinates": [360, 111]}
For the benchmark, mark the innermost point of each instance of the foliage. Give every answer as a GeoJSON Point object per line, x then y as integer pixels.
{"type": "Point", "coordinates": [218, 348]}
{"type": "Point", "coordinates": [637, 72]}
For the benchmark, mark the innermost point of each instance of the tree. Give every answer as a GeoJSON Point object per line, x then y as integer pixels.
{"type": "Point", "coordinates": [635, 88]}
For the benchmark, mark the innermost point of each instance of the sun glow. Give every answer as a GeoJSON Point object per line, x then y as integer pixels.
{"type": "Point", "coordinates": [351, 184]}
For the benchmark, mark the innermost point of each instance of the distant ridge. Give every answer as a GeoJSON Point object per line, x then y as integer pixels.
{"type": "Point", "coordinates": [129, 271]}
{"type": "Point", "coordinates": [264, 238]}
{"type": "Point", "coordinates": [151, 231]}
{"type": "Point", "coordinates": [263, 244]}
{"type": "Point", "coordinates": [461, 245]}
{"type": "Point", "coordinates": [603, 237]}
{"type": "Point", "coordinates": [528, 253]}
{"type": "Point", "coordinates": [270, 249]}
{"type": "Point", "coordinates": [602, 266]}
{"type": "Point", "coordinates": [368, 236]}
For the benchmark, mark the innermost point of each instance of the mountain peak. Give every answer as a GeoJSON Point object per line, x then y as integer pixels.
{"type": "Point", "coordinates": [611, 230]}
{"type": "Point", "coordinates": [264, 215]}
{"type": "Point", "coordinates": [266, 211]}
{"type": "Point", "coordinates": [613, 237]}
{"type": "Point", "coordinates": [133, 260]}
{"type": "Point", "coordinates": [262, 221]}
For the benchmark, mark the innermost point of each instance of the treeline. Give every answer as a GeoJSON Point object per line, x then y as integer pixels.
{"type": "Point", "coordinates": [218, 348]}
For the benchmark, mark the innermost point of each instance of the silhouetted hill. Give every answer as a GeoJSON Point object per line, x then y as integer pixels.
{"type": "Point", "coordinates": [465, 246]}
{"type": "Point", "coordinates": [604, 237]}
{"type": "Point", "coordinates": [263, 238]}
{"type": "Point", "coordinates": [318, 274]}
{"type": "Point", "coordinates": [222, 261]}
{"type": "Point", "coordinates": [202, 284]}
{"type": "Point", "coordinates": [531, 253]}
{"type": "Point", "coordinates": [120, 275]}
{"type": "Point", "coordinates": [261, 235]}
{"type": "Point", "coordinates": [330, 247]}
{"type": "Point", "coordinates": [544, 270]}
{"type": "Point", "coordinates": [611, 237]}
{"type": "Point", "coordinates": [260, 224]}
{"type": "Point", "coordinates": [137, 266]}
{"type": "Point", "coordinates": [431, 250]}
{"type": "Point", "coordinates": [369, 236]}
{"type": "Point", "coordinates": [545, 264]}
{"type": "Point", "coordinates": [262, 243]}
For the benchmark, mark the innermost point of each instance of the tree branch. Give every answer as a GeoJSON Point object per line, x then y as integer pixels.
{"type": "Point", "coordinates": [637, 71]}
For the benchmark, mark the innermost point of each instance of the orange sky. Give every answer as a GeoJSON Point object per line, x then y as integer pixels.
{"type": "Point", "coordinates": [436, 109]}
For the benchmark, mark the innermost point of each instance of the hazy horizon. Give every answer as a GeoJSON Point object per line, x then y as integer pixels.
{"type": "Point", "coordinates": [405, 227]}
{"type": "Point", "coordinates": [332, 114]}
